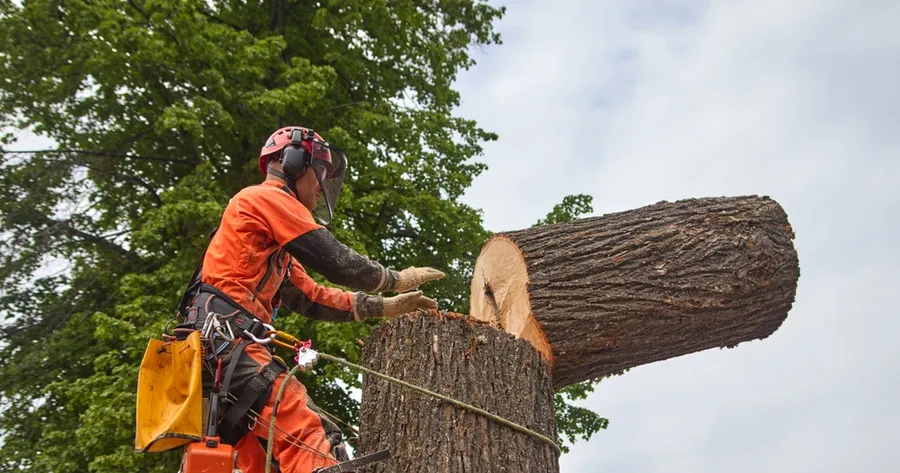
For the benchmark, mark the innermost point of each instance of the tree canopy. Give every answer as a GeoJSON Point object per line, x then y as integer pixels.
{"type": "Point", "coordinates": [159, 109]}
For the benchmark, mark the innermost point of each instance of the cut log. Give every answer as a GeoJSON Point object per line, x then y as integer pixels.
{"type": "Point", "coordinates": [467, 361]}
{"type": "Point", "coordinates": [600, 295]}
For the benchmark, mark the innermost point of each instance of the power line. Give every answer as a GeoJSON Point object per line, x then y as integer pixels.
{"type": "Point", "coordinates": [100, 153]}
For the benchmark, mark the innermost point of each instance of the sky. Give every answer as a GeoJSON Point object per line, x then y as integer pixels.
{"type": "Point", "coordinates": [663, 100]}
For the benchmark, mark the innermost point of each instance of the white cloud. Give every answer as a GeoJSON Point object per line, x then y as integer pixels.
{"type": "Point", "coordinates": [667, 100]}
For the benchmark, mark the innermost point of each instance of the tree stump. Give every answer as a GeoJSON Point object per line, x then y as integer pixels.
{"type": "Point", "coordinates": [599, 295]}
{"type": "Point", "coordinates": [470, 362]}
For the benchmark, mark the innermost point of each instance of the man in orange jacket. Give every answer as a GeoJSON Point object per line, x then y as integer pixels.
{"type": "Point", "coordinates": [254, 263]}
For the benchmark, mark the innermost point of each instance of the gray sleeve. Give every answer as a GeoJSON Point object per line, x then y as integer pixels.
{"type": "Point", "coordinates": [320, 251]}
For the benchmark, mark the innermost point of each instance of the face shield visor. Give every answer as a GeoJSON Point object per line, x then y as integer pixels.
{"type": "Point", "coordinates": [329, 165]}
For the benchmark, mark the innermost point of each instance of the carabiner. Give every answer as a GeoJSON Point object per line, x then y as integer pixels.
{"type": "Point", "coordinates": [210, 324]}
{"type": "Point", "coordinates": [291, 343]}
{"type": "Point", "coordinates": [263, 341]}
{"type": "Point", "coordinates": [221, 348]}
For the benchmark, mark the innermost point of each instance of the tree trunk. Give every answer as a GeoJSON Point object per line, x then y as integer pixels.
{"type": "Point", "coordinates": [470, 362]}
{"type": "Point", "coordinates": [599, 295]}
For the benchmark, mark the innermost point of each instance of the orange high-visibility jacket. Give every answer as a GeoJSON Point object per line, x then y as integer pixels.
{"type": "Point", "coordinates": [264, 237]}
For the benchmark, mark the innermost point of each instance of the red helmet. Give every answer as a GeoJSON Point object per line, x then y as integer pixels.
{"type": "Point", "coordinates": [281, 138]}
{"type": "Point", "coordinates": [307, 149]}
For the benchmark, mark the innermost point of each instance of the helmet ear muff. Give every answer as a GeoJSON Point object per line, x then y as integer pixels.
{"type": "Point", "coordinates": [294, 157]}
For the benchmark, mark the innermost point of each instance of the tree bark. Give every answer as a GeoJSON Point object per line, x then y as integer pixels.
{"type": "Point", "coordinates": [600, 295]}
{"type": "Point", "coordinates": [471, 362]}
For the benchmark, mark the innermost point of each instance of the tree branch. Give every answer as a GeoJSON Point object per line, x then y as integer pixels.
{"type": "Point", "coordinates": [68, 228]}
{"type": "Point", "coordinates": [221, 21]}
{"type": "Point", "coordinates": [99, 241]}
{"type": "Point", "coordinates": [128, 177]}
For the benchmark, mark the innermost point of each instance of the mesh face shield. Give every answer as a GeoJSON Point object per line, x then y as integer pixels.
{"type": "Point", "coordinates": [329, 165]}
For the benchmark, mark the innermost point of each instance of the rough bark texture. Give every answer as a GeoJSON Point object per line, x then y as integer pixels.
{"type": "Point", "coordinates": [634, 287]}
{"type": "Point", "coordinates": [468, 361]}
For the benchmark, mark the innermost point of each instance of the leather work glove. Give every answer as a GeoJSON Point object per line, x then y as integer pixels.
{"type": "Point", "coordinates": [407, 302]}
{"type": "Point", "coordinates": [410, 278]}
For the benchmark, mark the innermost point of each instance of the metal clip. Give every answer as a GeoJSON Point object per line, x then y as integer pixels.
{"type": "Point", "coordinates": [271, 331]}
{"type": "Point", "coordinates": [210, 323]}
{"type": "Point", "coordinates": [224, 331]}
{"type": "Point", "coordinates": [213, 329]}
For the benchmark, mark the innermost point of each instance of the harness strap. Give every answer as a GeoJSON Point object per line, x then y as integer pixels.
{"type": "Point", "coordinates": [250, 324]}
{"type": "Point", "coordinates": [232, 364]}
{"type": "Point", "coordinates": [253, 396]}
{"type": "Point", "coordinates": [244, 320]}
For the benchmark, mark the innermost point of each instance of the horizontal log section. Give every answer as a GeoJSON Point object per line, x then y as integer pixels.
{"type": "Point", "coordinates": [600, 295]}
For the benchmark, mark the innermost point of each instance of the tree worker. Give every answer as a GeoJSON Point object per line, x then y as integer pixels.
{"type": "Point", "coordinates": [256, 261]}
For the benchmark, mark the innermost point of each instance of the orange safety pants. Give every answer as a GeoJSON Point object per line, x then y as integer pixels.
{"type": "Point", "coordinates": [301, 441]}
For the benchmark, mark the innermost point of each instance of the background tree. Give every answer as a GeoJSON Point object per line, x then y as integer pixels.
{"type": "Point", "coordinates": [169, 102]}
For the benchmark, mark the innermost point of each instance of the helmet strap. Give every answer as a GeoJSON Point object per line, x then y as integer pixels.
{"type": "Point", "coordinates": [291, 183]}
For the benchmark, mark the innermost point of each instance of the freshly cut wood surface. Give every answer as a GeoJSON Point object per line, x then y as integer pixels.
{"type": "Point", "coordinates": [600, 295]}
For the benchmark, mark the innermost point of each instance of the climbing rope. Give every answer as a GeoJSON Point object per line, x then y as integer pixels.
{"type": "Point", "coordinates": [282, 434]}
{"type": "Point", "coordinates": [338, 420]}
{"type": "Point", "coordinates": [284, 384]}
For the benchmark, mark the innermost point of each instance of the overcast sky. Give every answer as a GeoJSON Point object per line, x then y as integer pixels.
{"type": "Point", "coordinates": [662, 100]}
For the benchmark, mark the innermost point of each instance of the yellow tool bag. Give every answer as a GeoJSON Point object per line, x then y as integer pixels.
{"type": "Point", "coordinates": [170, 395]}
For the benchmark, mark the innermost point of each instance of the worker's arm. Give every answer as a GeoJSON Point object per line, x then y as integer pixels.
{"type": "Point", "coordinates": [303, 295]}
{"type": "Point", "coordinates": [316, 248]}
{"type": "Point", "coordinates": [321, 252]}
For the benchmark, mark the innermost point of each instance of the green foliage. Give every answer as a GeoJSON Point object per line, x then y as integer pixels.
{"type": "Point", "coordinates": [572, 207]}
{"type": "Point", "coordinates": [174, 100]}
{"type": "Point", "coordinates": [575, 421]}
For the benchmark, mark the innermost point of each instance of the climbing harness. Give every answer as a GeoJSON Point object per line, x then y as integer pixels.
{"type": "Point", "coordinates": [225, 325]}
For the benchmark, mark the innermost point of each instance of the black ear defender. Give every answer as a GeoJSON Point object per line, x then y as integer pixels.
{"type": "Point", "coordinates": [294, 157]}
